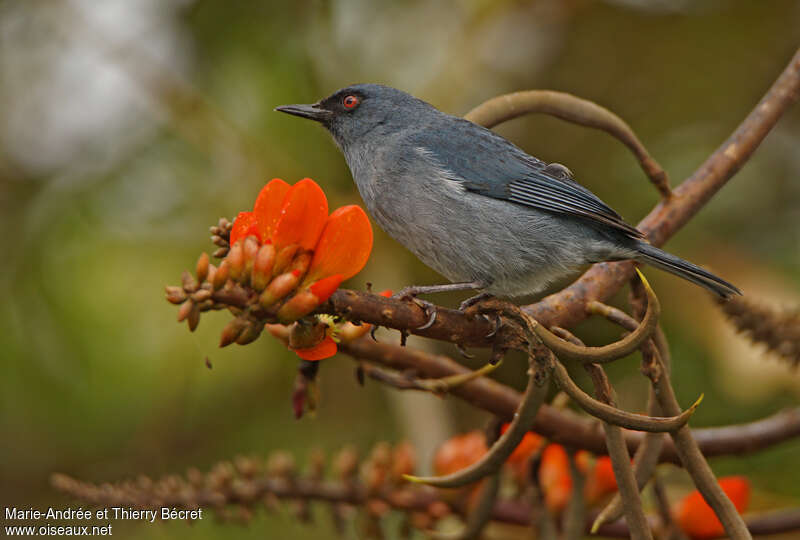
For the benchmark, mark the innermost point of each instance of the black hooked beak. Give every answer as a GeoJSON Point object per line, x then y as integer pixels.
{"type": "Point", "coordinates": [312, 112]}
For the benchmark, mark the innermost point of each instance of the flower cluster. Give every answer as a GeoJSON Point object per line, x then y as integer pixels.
{"type": "Point", "coordinates": [289, 243]}
{"type": "Point", "coordinates": [281, 261]}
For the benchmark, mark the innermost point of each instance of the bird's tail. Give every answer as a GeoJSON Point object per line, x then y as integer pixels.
{"type": "Point", "coordinates": [691, 272]}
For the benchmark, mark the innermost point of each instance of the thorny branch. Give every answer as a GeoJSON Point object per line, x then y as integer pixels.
{"type": "Point", "coordinates": [246, 484]}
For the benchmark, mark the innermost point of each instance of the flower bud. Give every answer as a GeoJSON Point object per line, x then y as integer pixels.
{"type": "Point", "coordinates": [232, 331]}
{"type": "Point", "coordinates": [175, 295]}
{"type": "Point", "coordinates": [278, 331]}
{"type": "Point", "coordinates": [235, 259]}
{"type": "Point", "coordinates": [250, 333]}
{"type": "Point", "coordinates": [301, 262]}
{"type": "Point", "coordinates": [262, 267]}
{"type": "Point", "coordinates": [221, 275]}
{"type": "Point", "coordinates": [350, 332]}
{"type": "Point", "coordinates": [250, 249]}
{"type": "Point", "coordinates": [278, 288]}
{"type": "Point", "coordinates": [202, 295]}
{"type": "Point", "coordinates": [201, 269]}
{"type": "Point", "coordinates": [184, 310]}
{"type": "Point", "coordinates": [299, 305]}
{"type": "Point", "coordinates": [284, 258]}
{"type": "Point", "coordinates": [305, 336]}
{"type": "Point", "coordinates": [194, 317]}
{"type": "Point", "coordinates": [188, 282]}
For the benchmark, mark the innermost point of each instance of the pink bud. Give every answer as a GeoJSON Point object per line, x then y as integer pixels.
{"type": "Point", "coordinates": [262, 267]}
{"type": "Point", "coordinates": [278, 288]}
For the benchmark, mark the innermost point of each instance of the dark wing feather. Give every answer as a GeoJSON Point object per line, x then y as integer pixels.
{"type": "Point", "coordinates": [490, 165]}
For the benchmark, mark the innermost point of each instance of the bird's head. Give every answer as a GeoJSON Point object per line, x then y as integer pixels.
{"type": "Point", "coordinates": [352, 112]}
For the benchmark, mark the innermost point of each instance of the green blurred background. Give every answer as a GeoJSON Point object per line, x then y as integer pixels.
{"type": "Point", "coordinates": [128, 127]}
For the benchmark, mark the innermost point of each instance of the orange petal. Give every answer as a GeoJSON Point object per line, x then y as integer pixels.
{"type": "Point", "coordinates": [554, 477]}
{"type": "Point", "coordinates": [525, 449]}
{"type": "Point", "coordinates": [698, 520]}
{"type": "Point", "coordinates": [600, 481]}
{"type": "Point", "coordinates": [344, 246]}
{"type": "Point", "coordinates": [324, 288]}
{"type": "Point", "coordinates": [459, 452]}
{"type": "Point", "coordinates": [325, 349]}
{"type": "Point", "coordinates": [302, 215]}
{"type": "Point", "coordinates": [243, 226]}
{"type": "Point", "coordinates": [268, 206]}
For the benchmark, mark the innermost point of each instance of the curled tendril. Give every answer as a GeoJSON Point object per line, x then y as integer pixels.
{"type": "Point", "coordinates": [618, 417]}
{"type": "Point", "coordinates": [613, 351]}
{"type": "Point", "coordinates": [541, 362]}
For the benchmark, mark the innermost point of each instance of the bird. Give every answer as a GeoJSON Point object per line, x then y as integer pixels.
{"type": "Point", "coordinates": [471, 204]}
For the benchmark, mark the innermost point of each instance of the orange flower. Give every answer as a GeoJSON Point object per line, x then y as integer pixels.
{"type": "Point", "coordinates": [600, 479]}
{"type": "Point", "coordinates": [529, 444]}
{"type": "Point", "coordinates": [554, 477]}
{"type": "Point", "coordinates": [459, 452]}
{"type": "Point", "coordinates": [292, 252]}
{"type": "Point", "coordinates": [698, 520]}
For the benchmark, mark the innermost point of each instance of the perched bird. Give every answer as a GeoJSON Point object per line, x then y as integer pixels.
{"type": "Point", "coordinates": [472, 205]}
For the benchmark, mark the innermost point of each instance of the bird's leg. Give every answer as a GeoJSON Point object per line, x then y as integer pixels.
{"type": "Point", "coordinates": [472, 300]}
{"type": "Point", "coordinates": [410, 293]}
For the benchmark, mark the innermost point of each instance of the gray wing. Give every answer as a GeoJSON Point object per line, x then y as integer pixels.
{"type": "Point", "coordinates": [488, 164]}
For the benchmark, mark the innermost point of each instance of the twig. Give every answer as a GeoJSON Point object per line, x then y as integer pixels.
{"type": "Point", "coordinates": [574, 518]}
{"type": "Point", "coordinates": [618, 417]}
{"type": "Point", "coordinates": [540, 365]}
{"type": "Point", "coordinates": [613, 351]}
{"type": "Point", "coordinates": [644, 465]}
{"type": "Point", "coordinates": [688, 450]}
{"type": "Point", "coordinates": [621, 460]}
{"type": "Point", "coordinates": [671, 529]}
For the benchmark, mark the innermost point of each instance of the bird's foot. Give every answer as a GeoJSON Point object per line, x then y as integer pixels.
{"type": "Point", "coordinates": [471, 306]}
{"type": "Point", "coordinates": [472, 300]}
{"type": "Point", "coordinates": [409, 294]}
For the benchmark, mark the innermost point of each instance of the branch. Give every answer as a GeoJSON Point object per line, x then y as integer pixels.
{"type": "Point", "coordinates": [223, 486]}
{"type": "Point", "coordinates": [566, 428]}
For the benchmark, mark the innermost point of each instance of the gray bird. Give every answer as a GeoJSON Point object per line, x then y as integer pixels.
{"type": "Point", "coordinates": [472, 205]}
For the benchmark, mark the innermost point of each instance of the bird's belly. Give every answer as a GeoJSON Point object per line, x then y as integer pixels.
{"type": "Point", "coordinates": [466, 237]}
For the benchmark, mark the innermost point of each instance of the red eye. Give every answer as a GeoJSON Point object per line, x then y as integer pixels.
{"type": "Point", "coordinates": [350, 102]}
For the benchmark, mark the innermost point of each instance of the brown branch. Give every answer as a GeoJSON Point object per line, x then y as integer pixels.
{"type": "Point", "coordinates": [620, 460]}
{"type": "Point", "coordinates": [226, 488]}
{"type": "Point", "coordinates": [617, 417]}
{"type": "Point", "coordinates": [540, 367]}
{"type": "Point", "coordinates": [688, 450]}
{"type": "Point", "coordinates": [564, 427]}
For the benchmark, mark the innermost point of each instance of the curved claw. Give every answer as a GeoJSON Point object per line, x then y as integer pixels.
{"type": "Point", "coordinates": [471, 301]}
{"type": "Point", "coordinates": [463, 351]}
{"type": "Point", "coordinates": [410, 294]}
{"type": "Point", "coordinates": [498, 324]}
{"type": "Point", "coordinates": [430, 309]}
{"type": "Point", "coordinates": [372, 333]}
